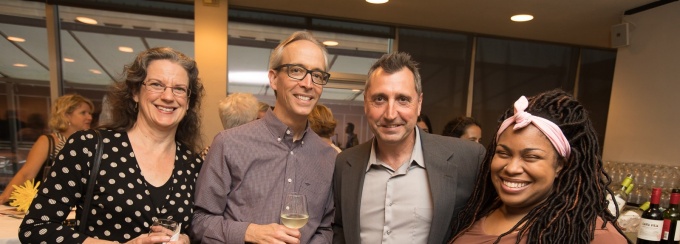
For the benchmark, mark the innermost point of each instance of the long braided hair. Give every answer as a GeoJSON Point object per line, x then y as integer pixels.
{"type": "Point", "coordinates": [569, 213]}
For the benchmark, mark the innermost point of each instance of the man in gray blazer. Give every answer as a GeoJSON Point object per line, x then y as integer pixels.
{"type": "Point", "coordinates": [404, 185]}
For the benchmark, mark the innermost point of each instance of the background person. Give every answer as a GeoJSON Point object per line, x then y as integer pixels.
{"type": "Point", "coordinates": [542, 180]}
{"type": "Point", "coordinates": [323, 124]}
{"type": "Point", "coordinates": [466, 128]}
{"type": "Point", "coordinates": [263, 107]}
{"type": "Point", "coordinates": [70, 113]}
{"type": "Point", "coordinates": [404, 185]}
{"type": "Point", "coordinates": [236, 109]}
{"type": "Point", "coordinates": [148, 166]}
{"type": "Point", "coordinates": [250, 170]}
{"type": "Point", "coordinates": [424, 123]}
{"type": "Point", "coordinates": [352, 139]}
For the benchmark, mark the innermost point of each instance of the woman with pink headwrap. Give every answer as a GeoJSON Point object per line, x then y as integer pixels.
{"type": "Point", "coordinates": [542, 179]}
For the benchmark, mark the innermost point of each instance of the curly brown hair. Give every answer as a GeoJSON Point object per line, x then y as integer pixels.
{"type": "Point", "coordinates": [122, 92]}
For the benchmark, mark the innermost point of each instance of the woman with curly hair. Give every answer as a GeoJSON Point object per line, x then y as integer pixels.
{"type": "Point", "coordinates": [148, 166]}
{"type": "Point", "coordinates": [542, 180]}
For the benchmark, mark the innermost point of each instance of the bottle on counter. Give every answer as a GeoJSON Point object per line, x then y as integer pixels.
{"type": "Point", "coordinates": [620, 195]}
{"type": "Point", "coordinates": [651, 225]}
{"type": "Point", "coordinates": [671, 233]}
{"type": "Point", "coordinates": [629, 220]}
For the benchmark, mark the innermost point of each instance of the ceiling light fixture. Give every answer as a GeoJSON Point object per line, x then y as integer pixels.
{"type": "Point", "coordinates": [94, 71]}
{"type": "Point", "coordinates": [69, 60]}
{"type": "Point", "coordinates": [356, 90]}
{"type": "Point", "coordinates": [86, 20]}
{"type": "Point", "coordinates": [16, 39]}
{"type": "Point", "coordinates": [522, 17]}
{"type": "Point", "coordinates": [377, 1]}
{"type": "Point", "coordinates": [125, 49]}
{"type": "Point", "coordinates": [331, 43]}
{"type": "Point", "coordinates": [20, 65]}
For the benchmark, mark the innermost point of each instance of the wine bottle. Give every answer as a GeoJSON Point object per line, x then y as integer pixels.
{"type": "Point", "coordinates": [651, 226]}
{"type": "Point", "coordinates": [671, 234]}
{"type": "Point", "coordinates": [620, 196]}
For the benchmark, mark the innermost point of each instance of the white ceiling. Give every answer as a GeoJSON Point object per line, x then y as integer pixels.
{"type": "Point", "coordinates": [578, 22]}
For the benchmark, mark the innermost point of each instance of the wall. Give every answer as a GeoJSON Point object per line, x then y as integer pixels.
{"type": "Point", "coordinates": [644, 118]}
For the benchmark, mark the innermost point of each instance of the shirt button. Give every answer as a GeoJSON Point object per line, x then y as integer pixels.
{"type": "Point", "coordinates": [389, 232]}
{"type": "Point", "coordinates": [302, 142]}
{"type": "Point", "coordinates": [391, 203]}
{"type": "Point", "coordinates": [291, 152]}
{"type": "Point", "coordinates": [287, 132]}
{"type": "Point", "coordinates": [279, 139]}
{"type": "Point", "coordinates": [290, 180]}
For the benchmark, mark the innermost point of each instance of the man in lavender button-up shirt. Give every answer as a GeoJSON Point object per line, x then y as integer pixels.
{"type": "Point", "coordinates": [250, 169]}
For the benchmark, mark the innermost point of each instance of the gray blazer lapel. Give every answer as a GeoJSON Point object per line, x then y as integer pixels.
{"type": "Point", "coordinates": [352, 186]}
{"type": "Point", "coordinates": [442, 178]}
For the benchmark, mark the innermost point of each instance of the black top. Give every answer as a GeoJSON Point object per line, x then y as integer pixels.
{"type": "Point", "coordinates": [121, 208]}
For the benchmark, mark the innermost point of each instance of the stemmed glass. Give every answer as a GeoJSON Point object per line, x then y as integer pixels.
{"type": "Point", "coordinates": [166, 226]}
{"type": "Point", "coordinates": [294, 211]}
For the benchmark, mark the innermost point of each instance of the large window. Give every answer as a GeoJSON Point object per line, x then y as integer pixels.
{"type": "Point", "coordinates": [444, 68]}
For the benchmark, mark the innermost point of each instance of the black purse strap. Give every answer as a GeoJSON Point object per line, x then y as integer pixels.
{"type": "Point", "coordinates": [51, 148]}
{"type": "Point", "coordinates": [90, 184]}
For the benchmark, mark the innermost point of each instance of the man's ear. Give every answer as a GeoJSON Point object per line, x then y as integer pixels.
{"type": "Point", "coordinates": [272, 74]}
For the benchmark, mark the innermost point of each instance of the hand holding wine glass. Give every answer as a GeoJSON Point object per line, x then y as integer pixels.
{"type": "Point", "coordinates": [166, 227]}
{"type": "Point", "coordinates": [294, 211]}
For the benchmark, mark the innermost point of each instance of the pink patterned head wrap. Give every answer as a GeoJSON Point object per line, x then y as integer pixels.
{"type": "Point", "coordinates": [521, 119]}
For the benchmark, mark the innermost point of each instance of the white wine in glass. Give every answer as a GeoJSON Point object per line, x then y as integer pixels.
{"type": "Point", "coordinates": [294, 211]}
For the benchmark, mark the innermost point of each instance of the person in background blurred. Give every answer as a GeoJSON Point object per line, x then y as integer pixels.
{"type": "Point", "coordinates": [263, 107]}
{"type": "Point", "coordinates": [466, 128]}
{"type": "Point", "coordinates": [352, 139]}
{"type": "Point", "coordinates": [35, 127]}
{"type": "Point", "coordinates": [424, 123]}
{"type": "Point", "coordinates": [323, 124]}
{"type": "Point", "coordinates": [542, 180]}
{"type": "Point", "coordinates": [70, 113]}
{"type": "Point", "coordinates": [236, 109]}
{"type": "Point", "coordinates": [148, 167]}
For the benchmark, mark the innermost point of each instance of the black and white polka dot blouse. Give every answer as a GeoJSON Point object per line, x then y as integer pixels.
{"type": "Point", "coordinates": [121, 208]}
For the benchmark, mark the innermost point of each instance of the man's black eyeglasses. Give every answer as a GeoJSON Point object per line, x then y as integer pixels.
{"type": "Point", "coordinates": [298, 72]}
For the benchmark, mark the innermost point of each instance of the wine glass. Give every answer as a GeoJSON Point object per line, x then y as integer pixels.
{"type": "Point", "coordinates": [294, 211]}
{"type": "Point", "coordinates": [166, 226]}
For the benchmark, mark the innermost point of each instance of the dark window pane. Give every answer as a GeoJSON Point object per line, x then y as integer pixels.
{"type": "Point", "coordinates": [444, 66]}
{"type": "Point", "coordinates": [595, 86]}
{"type": "Point", "coordinates": [508, 69]}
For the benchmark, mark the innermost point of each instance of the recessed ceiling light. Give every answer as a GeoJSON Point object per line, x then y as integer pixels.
{"type": "Point", "coordinates": [86, 20]}
{"type": "Point", "coordinates": [522, 17]}
{"type": "Point", "coordinates": [19, 65]}
{"type": "Point", "coordinates": [377, 1]}
{"type": "Point", "coordinates": [125, 49]}
{"type": "Point", "coordinates": [16, 39]}
{"type": "Point", "coordinates": [94, 71]}
{"type": "Point", "coordinates": [331, 43]}
{"type": "Point", "coordinates": [69, 60]}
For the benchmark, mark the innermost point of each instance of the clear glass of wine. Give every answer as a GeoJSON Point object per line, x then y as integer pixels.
{"type": "Point", "coordinates": [294, 211]}
{"type": "Point", "coordinates": [166, 227]}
